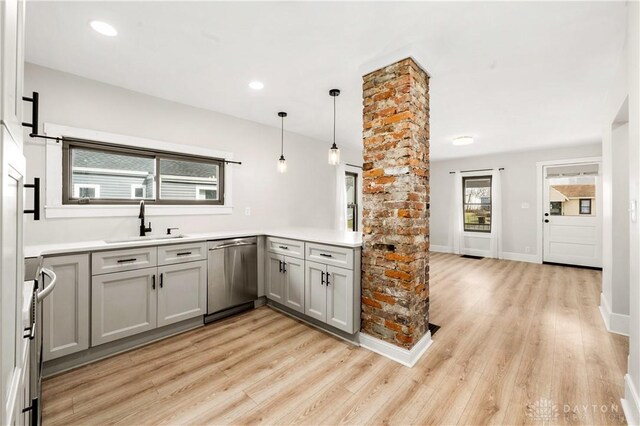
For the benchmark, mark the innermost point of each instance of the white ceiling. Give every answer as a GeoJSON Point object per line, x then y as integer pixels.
{"type": "Point", "coordinates": [514, 75]}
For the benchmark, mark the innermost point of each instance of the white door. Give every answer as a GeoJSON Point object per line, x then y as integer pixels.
{"type": "Point", "coordinates": [12, 167]}
{"type": "Point", "coordinates": [123, 304]}
{"type": "Point", "coordinates": [339, 282]}
{"type": "Point", "coordinates": [294, 283]}
{"type": "Point", "coordinates": [65, 313]}
{"type": "Point", "coordinates": [275, 277]}
{"type": "Point", "coordinates": [181, 291]}
{"type": "Point", "coordinates": [571, 215]}
{"type": "Point", "coordinates": [315, 291]}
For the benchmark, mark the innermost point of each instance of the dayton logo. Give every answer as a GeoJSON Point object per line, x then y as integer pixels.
{"type": "Point", "coordinates": [543, 410]}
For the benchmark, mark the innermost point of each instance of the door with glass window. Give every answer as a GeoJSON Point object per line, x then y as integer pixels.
{"type": "Point", "coordinates": [571, 215]}
{"type": "Point", "coordinates": [351, 181]}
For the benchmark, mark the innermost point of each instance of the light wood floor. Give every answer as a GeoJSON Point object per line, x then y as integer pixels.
{"type": "Point", "coordinates": [514, 336]}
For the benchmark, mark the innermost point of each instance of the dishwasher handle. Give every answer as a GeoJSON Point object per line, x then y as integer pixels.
{"type": "Point", "coordinates": [224, 246]}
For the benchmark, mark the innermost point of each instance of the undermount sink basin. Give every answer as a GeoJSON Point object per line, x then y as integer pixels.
{"type": "Point", "coordinates": [146, 238]}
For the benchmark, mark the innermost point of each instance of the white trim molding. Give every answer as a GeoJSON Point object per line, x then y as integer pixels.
{"type": "Point", "coordinates": [439, 249]}
{"type": "Point", "coordinates": [520, 257]}
{"type": "Point", "coordinates": [630, 402]}
{"type": "Point", "coordinates": [615, 323]}
{"type": "Point", "coordinates": [53, 171]}
{"type": "Point", "coordinates": [406, 357]}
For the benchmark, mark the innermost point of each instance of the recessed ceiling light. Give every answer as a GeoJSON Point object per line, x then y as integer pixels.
{"type": "Point", "coordinates": [103, 28]}
{"type": "Point", "coordinates": [463, 140]}
{"type": "Point", "coordinates": [256, 85]}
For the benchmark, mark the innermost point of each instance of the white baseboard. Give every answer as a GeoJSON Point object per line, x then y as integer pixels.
{"type": "Point", "coordinates": [630, 402]}
{"type": "Point", "coordinates": [406, 357]}
{"type": "Point", "coordinates": [615, 323]}
{"type": "Point", "coordinates": [520, 257]}
{"type": "Point", "coordinates": [440, 249]}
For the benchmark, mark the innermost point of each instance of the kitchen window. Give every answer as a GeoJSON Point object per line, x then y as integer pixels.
{"type": "Point", "coordinates": [585, 206]}
{"type": "Point", "coordinates": [476, 200]}
{"type": "Point", "coordinates": [96, 173]}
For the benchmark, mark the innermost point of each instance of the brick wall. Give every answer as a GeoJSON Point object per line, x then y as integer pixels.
{"type": "Point", "coordinates": [395, 257]}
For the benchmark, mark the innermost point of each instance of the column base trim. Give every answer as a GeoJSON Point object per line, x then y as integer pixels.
{"type": "Point", "coordinates": [615, 323]}
{"type": "Point", "coordinates": [631, 402]}
{"type": "Point", "coordinates": [406, 357]}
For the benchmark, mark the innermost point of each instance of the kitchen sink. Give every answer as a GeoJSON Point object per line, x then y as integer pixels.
{"type": "Point", "coordinates": [146, 238]}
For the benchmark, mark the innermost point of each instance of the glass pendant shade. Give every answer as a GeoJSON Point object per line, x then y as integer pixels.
{"type": "Point", "coordinates": [334, 155]}
{"type": "Point", "coordinates": [282, 165]}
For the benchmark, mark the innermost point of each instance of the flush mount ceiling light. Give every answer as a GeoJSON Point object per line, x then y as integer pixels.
{"type": "Point", "coordinates": [103, 28]}
{"type": "Point", "coordinates": [463, 140]}
{"type": "Point", "coordinates": [282, 163]}
{"type": "Point", "coordinates": [256, 85]}
{"type": "Point", "coordinates": [334, 152]}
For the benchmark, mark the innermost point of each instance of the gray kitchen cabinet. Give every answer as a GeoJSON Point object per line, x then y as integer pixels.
{"type": "Point", "coordinates": [293, 272]}
{"type": "Point", "coordinates": [65, 313]}
{"type": "Point", "coordinates": [182, 291]}
{"type": "Point", "coordinates": [123, 304]}
{"type": "Point", "coordinates": [340, 301]}
{"type": "Point", "coordinates": [275, 277]}
{"type": "Point", "coordinates": [329, 295]}
{"type": "Point", "coordinates": [315, 292]}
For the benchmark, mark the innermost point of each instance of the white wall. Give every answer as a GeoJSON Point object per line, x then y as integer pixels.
{"type": "Point", "coordinates": [620, 219]}
{"type": "Point", "coordinates": [518, 188]}
{"type": "Point", "coordinates": [301, 197]}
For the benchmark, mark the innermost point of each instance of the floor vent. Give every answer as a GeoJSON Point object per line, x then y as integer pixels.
{"type": "Point", "coordinates": [433, 328]}
{"type": "Point", "coordinates": [468, 256]}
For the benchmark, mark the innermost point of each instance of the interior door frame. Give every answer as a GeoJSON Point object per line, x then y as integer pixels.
{"type": "Point", "coordinates": [540, 165]}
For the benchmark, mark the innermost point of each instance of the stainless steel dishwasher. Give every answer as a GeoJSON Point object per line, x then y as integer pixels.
{"type": "Point", "coordinates": [232, 284]}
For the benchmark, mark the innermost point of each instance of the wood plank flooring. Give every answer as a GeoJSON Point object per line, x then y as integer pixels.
{"type": "Point", "coordinates": [520, 343]}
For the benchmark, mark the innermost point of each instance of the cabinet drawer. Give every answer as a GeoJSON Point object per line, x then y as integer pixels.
{"type": "Point", "coordinates": [106, 262]}
{"type": "Point", "coordinates": [330, 255]}
{"type": "Point", "coordinates": [179, 253]}
{"type": "Point", "coordinates": [291, 248]}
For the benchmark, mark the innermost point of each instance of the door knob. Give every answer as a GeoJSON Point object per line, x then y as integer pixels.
{"type": "Point", "coordinates": [546, 221]}
{"type": "Point", "coordinates": [546, 214]}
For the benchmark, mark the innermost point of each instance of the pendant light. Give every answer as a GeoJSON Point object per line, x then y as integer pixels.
{"type": "Point", "coordinates": [334, 152]}
{"type": "Point", "coordinates": [282, 163]}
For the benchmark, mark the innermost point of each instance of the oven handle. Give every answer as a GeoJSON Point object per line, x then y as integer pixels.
{"type": "Point", "coordinates": [44, 293]}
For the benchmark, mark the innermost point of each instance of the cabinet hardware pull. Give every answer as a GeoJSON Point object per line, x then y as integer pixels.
{"type": "Point", "coordinates": [184, 253]}
{"type": "Point", "coordinates": [280, 266]}
{"type": "Point", "coordinates": [326, 255]}
{"type": "Point", "coordinates": [127, 260]}
{"type": "Point", "coordinates": [29, 333]}
{"type": "Point", "coordinates": [284, 267]}
{"type": "Point", "coordinates": [161, 279]}
{"type": "Point", "coordinates": [322, 278]}
{"type": "Point", "coordinates": [153, 282]}
{"type": "Point", "coordinates": [36, 198]}
{"type": "Point", "coordinates": [328, 283]}
{"type": "Point", "coordinates": [284, 247]}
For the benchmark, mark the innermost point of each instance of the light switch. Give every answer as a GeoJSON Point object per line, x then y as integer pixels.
{"type": "Point", "coordinates": [524, 205]}
{"type": "Point", "coordinates": [247, 211]}
{"type": "Point", "coordinates": [633, 211]}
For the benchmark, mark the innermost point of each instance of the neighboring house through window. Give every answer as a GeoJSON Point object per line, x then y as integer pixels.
{"type": "Point", "coordinates": [112, 174]}
{"type": "Point", "coordinates": [476, 199]}
{"type": "Point", "coordinates": [576, 199]}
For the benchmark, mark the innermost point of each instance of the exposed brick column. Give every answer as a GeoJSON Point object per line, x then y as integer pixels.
{"type": "Point", "coordinates": [395, 256]}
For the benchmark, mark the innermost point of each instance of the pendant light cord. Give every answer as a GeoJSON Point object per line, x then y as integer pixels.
{"type": "Point", "coordinates": [282, 138]}
{"type": "Point", "coordinates": [334, 120]}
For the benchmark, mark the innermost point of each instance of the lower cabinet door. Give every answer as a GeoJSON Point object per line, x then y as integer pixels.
{"type": "Point", "coordinates": [182, 292]}
{"type": "Point", "coordinates": [294, 283]}
{"type": "Point", "coordinates": [315, 291]}
{"type": "Point", "coordinates": [123, 304]}
{"type": "Point", "coordinates": [339, 284]}
{"type": "Point", "coordinates": [65, 313]}
{"type": "Point", "coordinates": [275, 277]}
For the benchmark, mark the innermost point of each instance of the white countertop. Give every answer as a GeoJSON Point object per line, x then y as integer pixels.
{"type": "Point", "coordinates": [314, 235]}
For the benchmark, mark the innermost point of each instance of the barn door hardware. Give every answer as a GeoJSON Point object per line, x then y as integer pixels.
{"type": "Point", "coordinates": [35, 105]}
{"type": "Point", "coordinates": [36, 198]}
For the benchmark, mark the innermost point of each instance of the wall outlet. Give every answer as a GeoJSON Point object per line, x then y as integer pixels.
{"type": "Point", "coordinates": [527, 249]}
{"type": "Point", "coordinates": [247, 211]}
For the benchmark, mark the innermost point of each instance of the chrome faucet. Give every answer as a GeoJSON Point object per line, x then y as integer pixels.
{"type": "Point", "coordinates": [143, 229]}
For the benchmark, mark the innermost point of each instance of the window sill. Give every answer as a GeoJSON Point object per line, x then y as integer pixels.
{"type": "Point", "coordinates": [76, 211]}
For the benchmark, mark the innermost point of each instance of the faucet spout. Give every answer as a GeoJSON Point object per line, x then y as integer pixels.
{"type": "Point", "coordinates": [143, 228]}
{"type": "Point", "coordinates": [141, 215]}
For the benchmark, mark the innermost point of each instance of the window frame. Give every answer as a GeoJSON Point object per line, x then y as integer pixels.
{"type": "Point", "coordinates": [464, 203]}
{"type": "Point", "coordinates": [135, 186]}
{"type": "Point", "coordinates": [69, 144]}
{"type": "Point", "coordinates": [355, 204]}
{"type": "Point", "coordinates": [580, 205]}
